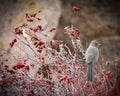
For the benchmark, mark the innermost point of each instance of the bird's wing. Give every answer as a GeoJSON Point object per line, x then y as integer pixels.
{"type": "Point", "coordinates": [28, 34]}
{"type": "Point", "coordinates": [91, 54]}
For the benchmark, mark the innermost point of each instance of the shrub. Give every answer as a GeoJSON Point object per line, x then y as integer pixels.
{"type": "Point", "coordinates": [44, 71]}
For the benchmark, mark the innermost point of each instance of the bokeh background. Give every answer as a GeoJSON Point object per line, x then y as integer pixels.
{"type": "Point", "coordinates": [97, 19]}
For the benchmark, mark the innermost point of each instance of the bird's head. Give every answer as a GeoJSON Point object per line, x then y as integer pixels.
{"type": "Point", "coordinates": [95, 43]}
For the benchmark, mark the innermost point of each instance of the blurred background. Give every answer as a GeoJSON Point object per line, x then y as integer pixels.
{"type": "Point", "coordinates": [97, 19]}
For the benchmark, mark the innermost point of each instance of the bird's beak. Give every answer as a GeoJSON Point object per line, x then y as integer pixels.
{"type": "Point", "coordinates": [99, 44]}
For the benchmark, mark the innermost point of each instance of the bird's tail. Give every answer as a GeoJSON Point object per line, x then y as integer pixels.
{"type": "Point", "coordinates": [89, 72]}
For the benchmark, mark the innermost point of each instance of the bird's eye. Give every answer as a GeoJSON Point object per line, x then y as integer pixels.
{"type": "Point", "coordinates": [96, 44]}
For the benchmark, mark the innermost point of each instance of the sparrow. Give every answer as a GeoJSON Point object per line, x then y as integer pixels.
{"type": "Point", "coordinates": [27, 33]}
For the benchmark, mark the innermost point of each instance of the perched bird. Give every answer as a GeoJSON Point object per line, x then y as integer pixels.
{"type": "Point", "coordinates": [91, 56]}
{"type": "Point", "coordinates": [27, 33]}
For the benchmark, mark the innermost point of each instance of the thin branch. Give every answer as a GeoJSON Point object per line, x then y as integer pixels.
{"type": "Point", "coordinates": [26, 45]}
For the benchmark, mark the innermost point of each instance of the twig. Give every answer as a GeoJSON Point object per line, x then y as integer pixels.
{"type": "Point", "coordinates": [27, 45]}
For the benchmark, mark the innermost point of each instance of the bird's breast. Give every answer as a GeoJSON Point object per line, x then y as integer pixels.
{"type": "Point", "coordinates": [92, 54]}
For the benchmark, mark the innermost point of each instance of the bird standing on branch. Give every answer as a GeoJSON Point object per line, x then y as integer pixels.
{"type": "Point", "coordinates": [91, 55]}
{"type": "Point", "coordinates": [27, 33]}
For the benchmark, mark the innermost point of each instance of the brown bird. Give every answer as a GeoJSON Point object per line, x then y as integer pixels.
{"type": "Point", "coordinates": [27, 33]}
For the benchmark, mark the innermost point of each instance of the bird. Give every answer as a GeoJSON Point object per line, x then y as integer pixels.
{"type": "Point", "coordinates": [91, 57]}
{"type": "Point", "coordinates": [27, 33]}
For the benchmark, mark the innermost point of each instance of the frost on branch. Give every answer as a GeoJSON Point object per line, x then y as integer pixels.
{"type": "Point", "coordinates": [44, 71]}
